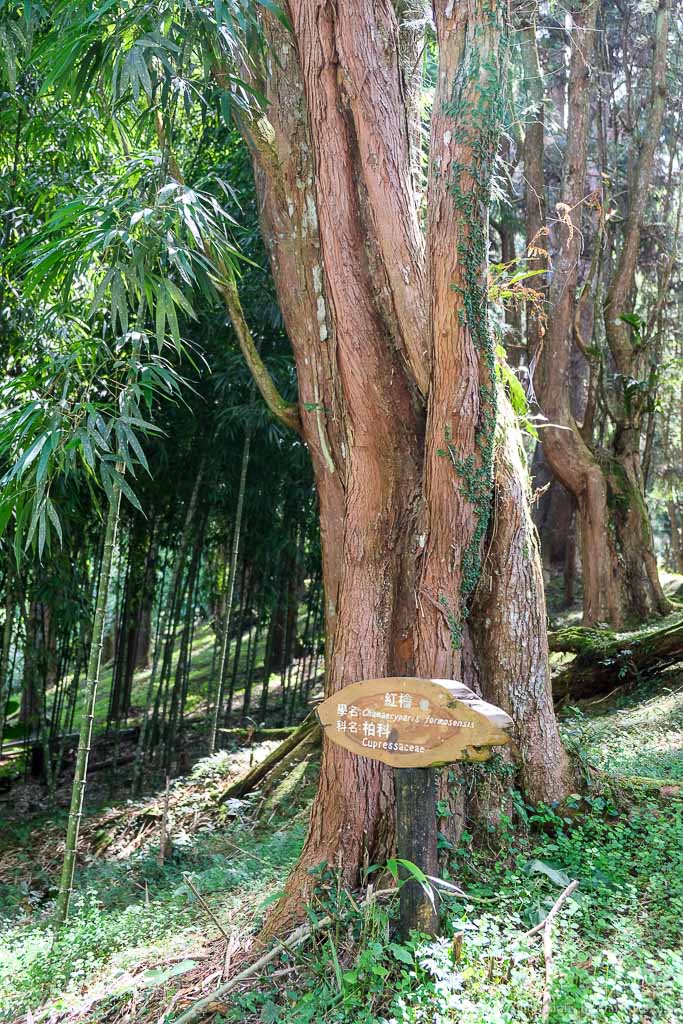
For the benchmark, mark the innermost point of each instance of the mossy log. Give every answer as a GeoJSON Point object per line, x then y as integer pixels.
{"type": "Point", "coordinates": [283, 784]}
{"type": "Point", "coordinates": [257, 735]}
{"type": "Point", "coordinates": [605, 659]}
{"type": "Point", "coordinates": [249, 782]}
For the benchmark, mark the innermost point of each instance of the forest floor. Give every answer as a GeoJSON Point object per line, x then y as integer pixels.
{"type": "Point", "coordinates": [145, 939]}
{"type": "Point", "coordinates": [112, 758]}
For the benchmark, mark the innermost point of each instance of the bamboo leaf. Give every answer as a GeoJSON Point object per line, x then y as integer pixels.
{"type": "Point", "coordinates": [126, 489]}
{"type": "Point", "coordinates": [173, 321]}
{"type": "Point", "coordinates": [119, 304]}
{"type": "Point", "coordinates": [137, 448]}
{"type": "Point", "coordinates": [86, 447]}
{"type": "Point", "coordinates": [29, 456]}
{"type": "Point", "coordinates": [44, 459]}
{"type": "Point", "coordinates": [160, 316]}
{"type": "Point", "coordinates": [41, 533]}
{"type": "Point", "coordinates": [6, 510]}
{"type": "Point", "coordinates": [54, 518]}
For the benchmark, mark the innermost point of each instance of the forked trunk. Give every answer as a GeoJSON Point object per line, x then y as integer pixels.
{"type": "Point", "coordinates": [399, 416]}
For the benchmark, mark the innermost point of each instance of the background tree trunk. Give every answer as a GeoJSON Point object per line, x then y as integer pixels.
{"type": "Point", "coordinates": [620, 580]}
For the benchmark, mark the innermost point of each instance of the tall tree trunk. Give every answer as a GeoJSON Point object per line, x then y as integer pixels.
{"type": "Point", "coordinates": [394, 361]}
{"type": "Point", "coordinates": [566, 452]}
{"type": "Point", "coordinates": [510, 628]}
{"type": "Point", "coordinates": [676, 535]}
{"type": "Point", "coordinates": [631, 520]}
{"type": "Point", "coordinates": [534, 174]}
{"type": "Point", "coordinates": [245, 605]}
{"type": "Point", "coordinates": [619, 568]}
{"type": "Point", "coordinates": [553, 513]}
{"type": "Point", "coordinates": [141, 652]}
{"type": "Point", "coordinates": [165, 631]}
{"type": "Point", "coordinates": [171, 723]}
{"type": "Point", "coordinates": [5, 676]}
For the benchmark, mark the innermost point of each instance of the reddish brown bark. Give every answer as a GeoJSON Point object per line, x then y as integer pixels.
{"type": "Point", "coordinates": [620, 577]}
{"type": "Point", "coordinates": [363, 439]}
{"type": "Point", "coordinates": [567, 453]}
{"type": "Point", "coordinates": [509, 627]}
{"type": "Point", "coordinates": [632, 524]}
{"type": "Point", "coordinates": [461, 391]}
{"type": "Point", "coordinates": [534, 176]}
{"type": "Point", "coordinates": [357, 288]}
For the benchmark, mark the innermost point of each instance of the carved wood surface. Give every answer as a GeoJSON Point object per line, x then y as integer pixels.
{"type": "Point", "coordinates": [407, 722]}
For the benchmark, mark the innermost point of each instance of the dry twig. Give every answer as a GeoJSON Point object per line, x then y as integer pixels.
{"type": "Point", "coordinates": [296, 939]}
{"type": "Point", "coordinates": [545, 926]}
{"type": "Point", "coordinates": [205, 906]}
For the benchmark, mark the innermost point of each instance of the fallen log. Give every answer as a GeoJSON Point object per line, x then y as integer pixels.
{"type": "Point", "coordinates": [283, 782]}
{"type": "Point", "coordinates": [258, 734]}
{"type": "Point", "coordinates": [249, 782]}
{"type": "Point", "coordinates": [605, 659]}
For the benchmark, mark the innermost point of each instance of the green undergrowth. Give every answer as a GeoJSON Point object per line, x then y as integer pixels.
{"type": "Point", "coordinates": [616, 941]}
{"type": "Point", "coordinates": [201, 661]}
{"type": "Point", "coordinates": [129, 914]}
{"type": "Point", "coordinates": [639, 737]}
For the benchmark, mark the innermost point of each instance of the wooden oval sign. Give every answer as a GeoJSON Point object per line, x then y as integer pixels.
{"type": "Point", "coordinates": [414, 723]}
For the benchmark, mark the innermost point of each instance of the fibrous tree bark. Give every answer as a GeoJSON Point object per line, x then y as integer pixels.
{"type": "Point", "coordinates": [395, 364]}
{"type": "Point", "coordinates": [625, 474]}
{"type": "Point", "coordinates": [510, 625]}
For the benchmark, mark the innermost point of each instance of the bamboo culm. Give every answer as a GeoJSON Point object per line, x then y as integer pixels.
{"type": "Point", "coordinates": [88, 714]}
{"type": "Point", "coordinates": [166, 617]}
{"type": "Point", "coordinates": [5, 675]}
{"type": "Point", "coordinates": [225, 640]}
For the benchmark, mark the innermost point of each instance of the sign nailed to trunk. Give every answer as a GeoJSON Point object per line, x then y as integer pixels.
{"type": "Point", "coordinates": [414, 723]}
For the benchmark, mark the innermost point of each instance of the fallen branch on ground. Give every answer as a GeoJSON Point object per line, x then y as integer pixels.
{"type": "Point", "coordinates": [545, 926]}
{"type": "Point", "coordinates": [296, 939]}
{"type": "Point", "coordinates": [205, 906]}
{"type": "Point", "coordinates": [258, 735]}
{"type": "Point", "coordinates": [249, 782]}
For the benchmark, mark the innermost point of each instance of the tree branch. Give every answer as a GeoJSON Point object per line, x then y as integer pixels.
{"type": "Point", "coordinates": [618, 332]}
{"type": "Point", "coordinates": [286, 412]}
